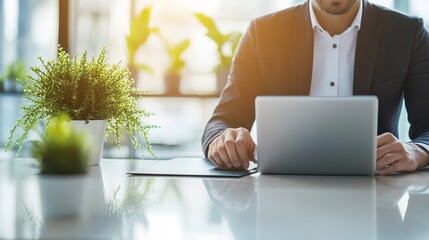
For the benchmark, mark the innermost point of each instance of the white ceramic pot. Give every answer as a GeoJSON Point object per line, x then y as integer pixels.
{"type": "Point", "coordinates": [96, 130]}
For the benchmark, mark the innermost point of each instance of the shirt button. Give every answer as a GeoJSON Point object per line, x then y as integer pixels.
{"type": "Point", "coordinates": [334, 46]}
{"type": "Point", "coordinates": [332, 84]}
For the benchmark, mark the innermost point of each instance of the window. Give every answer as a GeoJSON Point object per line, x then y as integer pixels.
{"type": "Point", "coordinates": [29, 28]}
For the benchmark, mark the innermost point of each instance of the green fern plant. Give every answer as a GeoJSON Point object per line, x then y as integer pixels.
{"type": "Point", "coordinates": [84, 90]}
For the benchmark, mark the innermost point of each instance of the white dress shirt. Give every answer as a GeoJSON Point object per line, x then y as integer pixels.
{"type": "Point", "coordinates": [333, 58]}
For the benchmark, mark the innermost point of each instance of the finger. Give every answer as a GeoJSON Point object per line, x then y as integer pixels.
{"type": "Point", "coordinates": [214, 156]}
{"type": "Point", "coordinates": [210, 155]}
{"type": "Point", "coordinates": [385, 139]}
{"type": "Point", "coordinates": [250, 146]}
{"type": "Point", "coordinates": [231, 150]}
{"type": "Point", "coordinates": [253, 152]}
{"type": "Point", "coordinates": [394, 168]}
{"type": "Point", "coordinates": [221, 149]}
{"type": "Point", "coordinates": [405, 164]}
{"type": "Point", "coordinates": [383, 150]}
{"type": "Point", "coordinates": [246, 147]}
{"type": "Point", "coordinates": [241, 147]}
{"type": "Point", "coordinates": [253, 155]}
{"type": "Point", "coordinates": [387, 160]}
{"type": "Point", "coordinates": [393, 147]}
{"type": "Point", "coordinates": [398, 166]}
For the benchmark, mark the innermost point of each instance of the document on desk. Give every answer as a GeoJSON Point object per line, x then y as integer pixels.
{"type": "Point", "coordinates": [196, 167]}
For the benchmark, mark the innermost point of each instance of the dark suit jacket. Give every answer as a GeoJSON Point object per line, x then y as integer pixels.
{"type": "Point", "coordinates": [275, 57]}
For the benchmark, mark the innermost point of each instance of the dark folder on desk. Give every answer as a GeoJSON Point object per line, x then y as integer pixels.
{"type": "Point", "coordinates": [196, 167]}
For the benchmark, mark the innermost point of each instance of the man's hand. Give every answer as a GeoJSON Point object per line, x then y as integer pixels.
{"type": "Point", "coordinates": [233, 149]}
{"type": "Point", "coordinates": [394, 156]}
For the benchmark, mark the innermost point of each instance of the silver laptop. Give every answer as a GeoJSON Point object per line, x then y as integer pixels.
{"type": "Point", "coordinates": [316, 135]}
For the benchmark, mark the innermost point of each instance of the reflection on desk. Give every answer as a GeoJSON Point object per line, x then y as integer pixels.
{"type": "Point", "coordinates": [109, 204]}
{"type": "Point", "coordinates": [316, 207]}
{"type": "Point", "coordinates": [392, 222]}
{"type": "Point", "coordinates": [235, 200]}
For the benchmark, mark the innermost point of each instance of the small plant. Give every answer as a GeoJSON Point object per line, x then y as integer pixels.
{"type": "Point", "coordinates": [139, 33]}
{"type": "Point", "coordinates": [172, 76]}
{"type": "Point", "coordinates": [226, 43]}
{"type": "Point", "coordinates": [62, 150]}
{"type": "Point", "coordinates": [14, 73]}
{"type": "Point", "coordinates": [84, 90]}
{"type": "Point", "coordinates": [175, 54]}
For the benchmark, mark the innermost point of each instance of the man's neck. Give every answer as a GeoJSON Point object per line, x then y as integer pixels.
{"type": "Point", "coordinates": [335, 24]}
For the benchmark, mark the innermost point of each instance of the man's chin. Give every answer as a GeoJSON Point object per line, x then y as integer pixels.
{"type": "Point", "coordinates": [336, 7]}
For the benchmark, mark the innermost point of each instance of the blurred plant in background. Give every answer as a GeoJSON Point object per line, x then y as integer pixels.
{"type": "Point", "coordinates": [172, 75]}
{"type": "Point", "coordinates": [226, 46]}
{"type": "Point", "coordinates": [14, 76]}
{"type": "Point", "coordinates": [139, 33]}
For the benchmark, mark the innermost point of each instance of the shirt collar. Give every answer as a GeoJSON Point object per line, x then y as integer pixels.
{"type": "Point", "coordinates": [356, 21]}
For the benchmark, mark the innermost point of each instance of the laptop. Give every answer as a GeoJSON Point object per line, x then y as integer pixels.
{"type": "Point", "coordinates": [316, 135]}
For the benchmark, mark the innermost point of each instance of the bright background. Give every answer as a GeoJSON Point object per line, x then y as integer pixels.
{"type": "Point", "coordinates": [29, 28]}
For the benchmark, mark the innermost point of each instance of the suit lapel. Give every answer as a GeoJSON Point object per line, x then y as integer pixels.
{"type": "Point", "coordinates": [304, 53]}
{"type": "Point", "coordinates": [366, 50]}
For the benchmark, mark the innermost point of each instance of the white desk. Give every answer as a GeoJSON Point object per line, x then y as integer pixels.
{"type": "Point", "coordinates": [108, 204]}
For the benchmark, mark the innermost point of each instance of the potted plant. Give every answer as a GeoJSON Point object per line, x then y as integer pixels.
{"type": "Point", "coordinates": [14, 74]}
{"type": "Point", "coordinates": [172, 76]}
{"type": "Point", "coordinates": [87, 91]}
{"type": "Point", "coordinates": [63, 150]}
{"type": "Point", "coordinates": [226, 46]}
{"type": "Point", "coordinates": [63, 155]}
{"type": "Point", "coordinates": [139, 33]}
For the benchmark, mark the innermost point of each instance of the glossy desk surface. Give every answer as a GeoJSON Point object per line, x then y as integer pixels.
{"type": "Point", "coordinates": [107, 203]}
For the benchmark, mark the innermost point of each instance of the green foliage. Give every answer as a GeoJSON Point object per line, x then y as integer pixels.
{"type": "Point", "coordinates": [175, 53]}
{"type": "Point", "coordinates": [84, 90]}
{"type": "Point", "coordinates": [226, 43]}
{"type": "Point", "coordinates": [14, 71]}
{"type": "Point", "coordinates": [139, 33]}
{"type": "Point", "coordinates": [62, 150]}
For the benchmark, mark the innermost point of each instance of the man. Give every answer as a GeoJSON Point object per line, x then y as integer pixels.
{"type": "Point", "coordinates": [329, 48]}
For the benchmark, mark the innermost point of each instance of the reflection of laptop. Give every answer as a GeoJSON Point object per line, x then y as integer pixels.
{"type": "Point", "coordinates": [316, 135]}
{"type": "Point", "coordinates": [316, 207]}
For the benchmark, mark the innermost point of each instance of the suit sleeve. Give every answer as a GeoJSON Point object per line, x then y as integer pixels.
{"type": "Point", "coordinates": [236, 106]}
{"type": "Point", "coordinates": [416, 91]}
